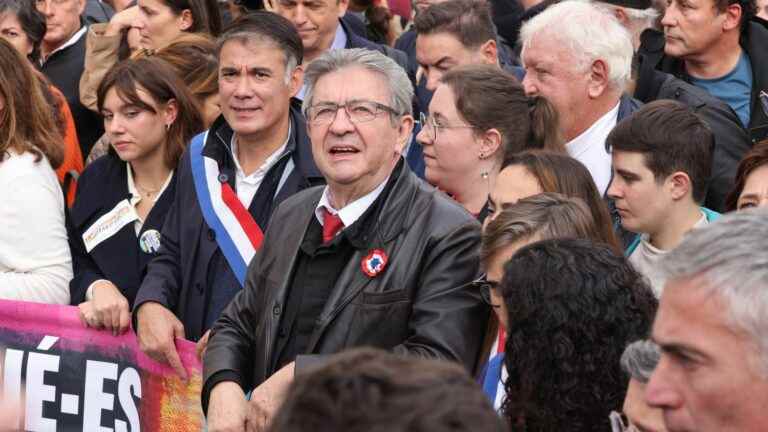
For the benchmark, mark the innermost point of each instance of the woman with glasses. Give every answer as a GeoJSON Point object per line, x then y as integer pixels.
{"type": "Point", "coordinates": [123, 197]}
{"type": "Point", "coordinates": [539, 217]}
{"type": "Point", "coordinates": [479, 115]}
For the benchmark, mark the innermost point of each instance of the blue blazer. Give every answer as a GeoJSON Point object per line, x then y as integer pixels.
{"type": "Point", "coordinates": [119, 258]}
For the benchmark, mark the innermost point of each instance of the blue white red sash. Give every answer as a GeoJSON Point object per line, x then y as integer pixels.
{"type": "Point", "coordinates": [237, 233]}
{"type": "Point", "coordinates": [493, 385]}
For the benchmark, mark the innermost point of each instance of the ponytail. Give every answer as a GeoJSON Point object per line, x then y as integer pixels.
{"type": "Point", "coordinates": [545, 125]}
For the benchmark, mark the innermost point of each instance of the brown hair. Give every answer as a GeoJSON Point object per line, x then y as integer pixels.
{"type": "Point", "coordinates": [753, 160]}
{"type": "Point", "coordinates": [490, 98]}
{"type": "Point", "coordinates": [193, 57]}
{"type": "Point", "coordinates": [366, 389]}
{"type": "Point", "coordinates": [563, 174]}
{"type": "Point", "coordinates": [27, 122]}
{"type": "Point", "coordinates": [469, 21]}
{"type": "Point", "coordinates": [158, 79]}
{"type": "Point", "coordinates": [546, 216]}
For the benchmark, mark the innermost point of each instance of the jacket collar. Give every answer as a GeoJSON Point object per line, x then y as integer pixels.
{"type": "Point", "coordinates": [218, 146]}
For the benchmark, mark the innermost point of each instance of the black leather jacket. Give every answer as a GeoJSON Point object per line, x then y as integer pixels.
{"type": "Point", "coordinates": [420, 304]}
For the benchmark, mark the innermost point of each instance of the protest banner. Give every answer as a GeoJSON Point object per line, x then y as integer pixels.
{"type": "Point", "coordinates": [72, 378]}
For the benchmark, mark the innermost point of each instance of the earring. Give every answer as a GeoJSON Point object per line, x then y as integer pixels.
{"type": "Point", "coordinates": [168, 127]}
{"type": "Point", "coordinates": [484, 175]}
{"type": "Point", "coordinates": [482, 155]}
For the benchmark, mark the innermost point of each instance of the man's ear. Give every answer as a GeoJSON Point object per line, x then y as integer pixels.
{"type": "Point", "coordinates": [680, 185]}
{"type": "Point", "coordinates": [342, 5]}
{"type": "Point", "coordinates": [489, 52]}
{"type": "Point", "coordinates": [404, 133]}
{"type": "Point", "coordinates": [296, 80]}
{"type": "Point", "coordinates": [186, 20]}
{"type": "Point", "coordinates": [621, 16]}
{"type": "Point", "coordinates": [732, 16]}
{"type": "Point", "coordinates": [81, 7]}
{"type": "Point", "coordinates": [598, 79]}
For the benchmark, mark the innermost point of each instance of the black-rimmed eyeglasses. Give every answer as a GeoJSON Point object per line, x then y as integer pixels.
{"type": "Point", "coordinates": [485, 286]}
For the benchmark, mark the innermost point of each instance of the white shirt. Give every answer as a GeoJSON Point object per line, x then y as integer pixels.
{"type": "Point", "coordinates": [589, 149]}
{"type": "Point", "coordinates": [35, 262]}
{"type": "Point", "coordinates": [247, 185]}
{"type": "Point", "coordinates": [339, 42]}
{"type": "Point", "coordinates": [646, 256]}
{"type": "Point", "coordinates": [352, 211]}
{"type": "Point", "coordinates": [73, 40]}
{"type": "Point", "coordinates": [136, 196]}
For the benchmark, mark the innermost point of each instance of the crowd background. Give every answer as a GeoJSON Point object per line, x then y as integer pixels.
{"type": "Point", "coordinates": [526, 215]}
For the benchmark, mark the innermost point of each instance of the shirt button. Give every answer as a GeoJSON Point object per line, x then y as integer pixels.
{"type": "Point", "coordinates": [223, 178]}
{"type": "Point", "coordinates": [276, 310]}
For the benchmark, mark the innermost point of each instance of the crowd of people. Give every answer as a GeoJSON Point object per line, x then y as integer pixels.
{"type": "Point", "coordinates": [451, 215]}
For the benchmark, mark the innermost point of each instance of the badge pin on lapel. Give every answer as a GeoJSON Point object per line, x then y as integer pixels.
{"type": "Point", "coordinates": [150, 241]}
{"type": "Point", "coordinates": [374, 262]}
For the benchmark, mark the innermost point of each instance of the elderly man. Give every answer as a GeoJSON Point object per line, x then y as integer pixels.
{"type": "Point", "coordinates": [582, 68]}
{"type": "Point", "coordinates": [376, 258]}
{"type": "Point", "coordinates": [715, 45]}
{"type": "Point", "coordinates": [638, 362]}
{"type": "Point", "coordinates": [711, 327]}
{"type": "Point", "coordinates": [228, 183]}
{"type": "Point", "coordinates": [62, 60]}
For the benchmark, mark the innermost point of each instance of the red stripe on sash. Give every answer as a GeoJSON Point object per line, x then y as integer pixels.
{"type": "Point", "coordinates": [502, 340]}
{"type": "Point", "coordinates": [251, 228]}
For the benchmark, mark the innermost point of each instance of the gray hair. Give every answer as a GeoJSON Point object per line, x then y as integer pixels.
{"type": "Point", "coordinates": [641, 18]}
{"type": "Point", "coordinates": [640, 359]}
{"type": "Point", "coordinates": [400, 87]}
{"type": "Point", "coordinates": [591, 34]}
{"type": "Point", "coordinates": [730, 255]}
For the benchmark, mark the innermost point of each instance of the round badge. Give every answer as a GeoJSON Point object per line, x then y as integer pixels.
{"type": "Point", "coordinates": [150, 241]}
{"type": "Point", "coordinates": [374, 262]}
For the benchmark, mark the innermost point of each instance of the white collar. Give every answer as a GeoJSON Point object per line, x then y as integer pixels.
{"type": "Point", "coordinates": [596, 134]}
{"type": "Point", "coordinates": [135, 195]}
{"type": "Point", "coordinates": [352, 211]}
{"type": "Point", "coordinates": [73, 40]}
{"type": "Point", "coordinates": [271, 159]}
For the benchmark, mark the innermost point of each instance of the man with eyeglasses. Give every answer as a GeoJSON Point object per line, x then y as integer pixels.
{"type": "Point", "coordinates": [62, 60]}
{"type": "Point", "coordinates": [376, 258]}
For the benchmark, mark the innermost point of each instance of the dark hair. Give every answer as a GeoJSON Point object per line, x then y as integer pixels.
{"type": "Point", "coordinates": [544, 216]}
{"type": "Point", "coordinates": [27, 122]}
{"type": "Point", "coordinates": [748, 10]}
{"type": "Point", "coordinates": [371, 390]}
{"type": "Point", "coordinates": [158, 79]}
{"type": "Point", "coordinates": [572, 306]}
{"type": "Point", "coordinates": [32, 22]}
{"type": "Point", "coordinates": [488, 97]}
{"type": "Point", "coordinates": [672, 138]}
{"type": "Point", "coordinates": [558, 172]}
{"type": "Point", "coordinates": [754, 159]}
{"type": "Point", "coordinates": [260, 25]}
{"type": "Point", "coordinates": [206, 16]}
{"type": "Point", "coordinates": [468, 20]}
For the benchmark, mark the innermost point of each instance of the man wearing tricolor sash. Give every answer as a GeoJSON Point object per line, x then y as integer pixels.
{"type": "Point", "coordinates": [229, 181]}
{"type": "Point", "coordinates": [377, 258]}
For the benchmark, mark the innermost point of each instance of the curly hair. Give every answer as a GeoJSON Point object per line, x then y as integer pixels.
{"type": "Point", "coordinates": [573, 306]}
{"type": "Point", "coordinates": [370, 390]}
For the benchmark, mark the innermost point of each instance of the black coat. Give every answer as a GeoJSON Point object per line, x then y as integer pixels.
{"type": "Point", "coordinates": [63, 68]}
{"type": "Point", "coordinates": [119, 258]}
{"type": "Point", "coordinates": [420, 304]}
{"type": "Point", "coordinates": [755, 44]}
{"type": "Point", "coordinates": [177, 277]}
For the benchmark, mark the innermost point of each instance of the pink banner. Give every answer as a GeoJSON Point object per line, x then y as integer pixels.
{"type": "Point", "coordinates": [75, 378]}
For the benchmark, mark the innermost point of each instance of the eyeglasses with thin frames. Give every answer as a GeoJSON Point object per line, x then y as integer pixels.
{"type": "Point", "coordinates": [429, 124]}
{"type": "Point", "coordinates": [359, 111]}
{"type": "Point", "coordinates": [485, 286]}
